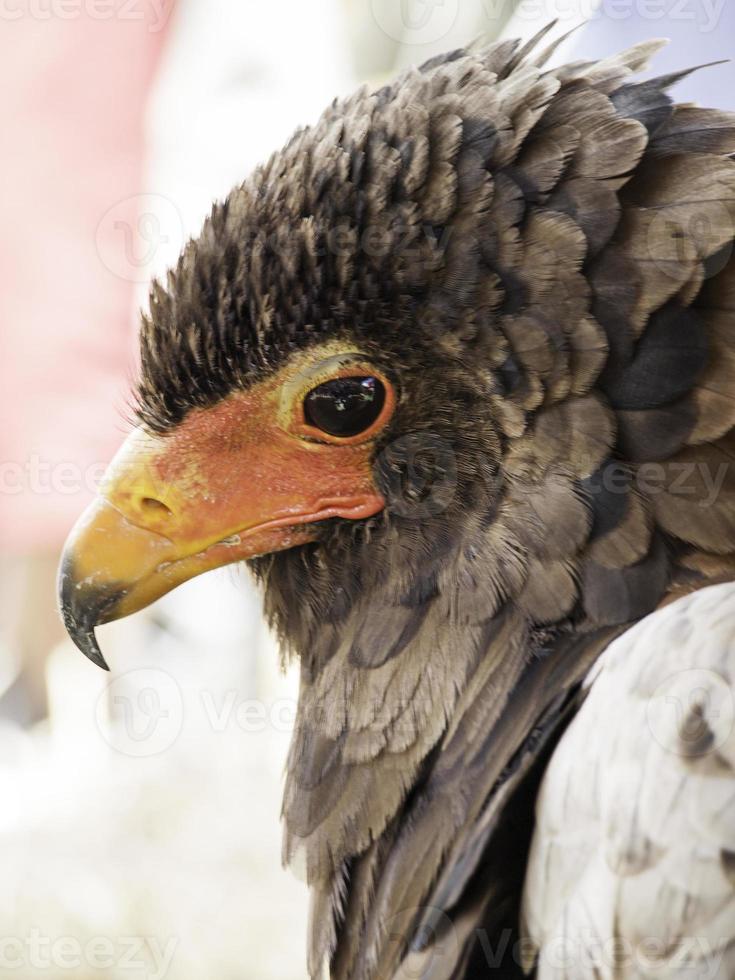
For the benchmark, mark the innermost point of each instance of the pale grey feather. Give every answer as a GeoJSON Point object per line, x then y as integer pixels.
{"type": "Point", "coordinates": [631, 868]}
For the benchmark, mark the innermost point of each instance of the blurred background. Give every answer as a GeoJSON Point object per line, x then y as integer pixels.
{"type": "Point", "coordinates": [139, 822]}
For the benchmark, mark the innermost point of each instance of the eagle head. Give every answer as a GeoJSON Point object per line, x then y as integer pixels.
{"type": "Point", "coordinates": [453, 372]}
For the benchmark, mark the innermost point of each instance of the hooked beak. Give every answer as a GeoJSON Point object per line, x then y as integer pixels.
{"type": "Point", "coordinates": [226, 485]}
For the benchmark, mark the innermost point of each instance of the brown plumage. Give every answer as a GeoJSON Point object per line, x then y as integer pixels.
{"type": "Point", "coordinates": [543, 262]}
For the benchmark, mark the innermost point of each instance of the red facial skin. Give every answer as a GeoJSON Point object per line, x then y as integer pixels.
{"type": "Point", "coordinates": [245, 477]}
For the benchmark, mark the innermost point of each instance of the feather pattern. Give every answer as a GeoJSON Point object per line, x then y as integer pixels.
{"type": "Point", "coordinates": [630, 872]}
{"type": "Point", "coordinates": [542, 262]}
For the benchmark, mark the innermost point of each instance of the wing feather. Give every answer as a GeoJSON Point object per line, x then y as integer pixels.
{"type": "Point", "coordinates": [630, 873]}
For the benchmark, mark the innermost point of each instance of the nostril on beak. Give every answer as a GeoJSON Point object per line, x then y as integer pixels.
{"type": "Point", "coordinates": [155, 508]}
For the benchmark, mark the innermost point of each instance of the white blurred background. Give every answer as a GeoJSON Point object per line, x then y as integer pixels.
{"type": "Point", "coordinates": [139, 825]}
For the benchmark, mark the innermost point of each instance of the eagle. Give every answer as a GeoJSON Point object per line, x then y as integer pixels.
{"type": "Point", "coordinates": [454, 372]}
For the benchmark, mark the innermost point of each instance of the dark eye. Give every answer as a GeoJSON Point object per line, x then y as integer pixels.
{"type": "Point", "coordinates": [345, 406]}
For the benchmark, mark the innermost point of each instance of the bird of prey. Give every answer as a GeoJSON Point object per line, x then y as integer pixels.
{"type": "Point", "coordinates": [454, 372]}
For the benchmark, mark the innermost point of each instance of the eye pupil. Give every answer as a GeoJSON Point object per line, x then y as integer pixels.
{"type": "Point", "coordinates": [345, 406]}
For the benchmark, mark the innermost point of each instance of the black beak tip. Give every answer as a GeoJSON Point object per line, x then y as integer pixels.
{"type": "Point", "coordinates": [86, 641]}
{"type": "Point", "coordinates": [81, 610]}
{"type": "Point", "coordinates": [83, 637]}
